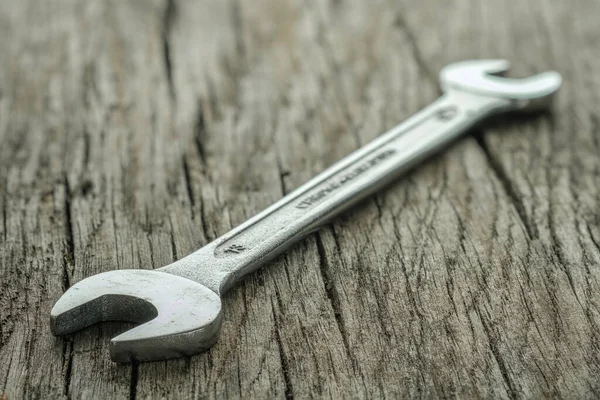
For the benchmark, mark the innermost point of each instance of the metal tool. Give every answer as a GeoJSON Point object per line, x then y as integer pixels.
{"type": "Point", "coordinates": [179, 306]}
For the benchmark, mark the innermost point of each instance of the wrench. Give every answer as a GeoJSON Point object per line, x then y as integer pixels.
{"type": "Point", "coordinates": [179, 306]}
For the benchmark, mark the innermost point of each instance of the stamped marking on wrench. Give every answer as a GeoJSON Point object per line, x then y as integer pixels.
{"type": "Point", "coordinates": [179, 306]}
{"type": "Point", "coordinates": [356, 171]}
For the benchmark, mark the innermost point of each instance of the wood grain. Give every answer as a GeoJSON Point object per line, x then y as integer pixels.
{"type": "Point", "coordinates": [132, 133]}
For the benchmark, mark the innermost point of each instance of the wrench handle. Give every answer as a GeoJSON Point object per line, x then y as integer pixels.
{"type": "Point", "coordinates": [220, 264]}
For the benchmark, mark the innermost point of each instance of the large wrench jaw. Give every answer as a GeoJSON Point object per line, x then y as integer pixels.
{"type": "Point", "coordinates": [485, 77]}
{"type": "Point", "coordinates": [178, 317]}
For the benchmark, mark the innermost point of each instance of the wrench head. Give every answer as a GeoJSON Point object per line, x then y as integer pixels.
{"type": "Point", "coordinates": [481, 77]}
{"type": "Point", "coordinates": [178, 317]}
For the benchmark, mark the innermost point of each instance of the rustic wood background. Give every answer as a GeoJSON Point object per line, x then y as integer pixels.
{"type": "Point", "coordinates": [134, 132]}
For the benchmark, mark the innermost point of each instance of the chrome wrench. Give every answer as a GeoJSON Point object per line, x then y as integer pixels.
{"type": "Point", "coordinates": [179, 306]}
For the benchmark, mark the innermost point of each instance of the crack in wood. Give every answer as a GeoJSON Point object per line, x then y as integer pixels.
{"type": "Point", "coordinates": [204, 223]}
{"type": "Point", "coordinates": [188, 186]}
{"type": "Point", "coordinates": [238, 30]}
{"type": "Point", "coordinates": [173, 247]}
{"type": "Point", "coordinates": [167, 26]}
{"type": "Point", "coordinates": [285, 365]}
{"type": "Point", "coordinates": [69, 237]}
{"type": "Point", "coordinates": [200, 133]}
{"type": "Point", "coordinates": [133, 382]}
{"type": "Point", "coordinates": [281, 174]}
{"type": "Point", "coordinates": [332, 295]}
{"type": "Point", "coordinates": [68, 263]}
{"type": "Point", "coordinates": [511, 388]}
{"type": "Point", "coordinates": [67, 366]}
{"type": "Point", "coordinates": [4, 217]}
{"type": "Point", "coordinates": [507, 185]}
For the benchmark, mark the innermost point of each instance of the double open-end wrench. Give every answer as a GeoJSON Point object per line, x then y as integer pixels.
{"type": "Point", "coordinates": [179, 306]}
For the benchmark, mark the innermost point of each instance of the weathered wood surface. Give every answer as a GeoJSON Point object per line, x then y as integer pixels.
{"type": "Point", "coordinates": [132, 133]}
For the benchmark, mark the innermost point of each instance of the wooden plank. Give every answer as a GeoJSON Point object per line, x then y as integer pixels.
{"type": "Point", "coordinates": [549, 168]}
{"type": "Point", "coordinates": [303, 375]}
{"type": "Point", "coordinates": [123, 216]}
{"type": "Point", "coordinates": [127, 180]}
{"type": "Point", "coordinates": [132, 133]}
{"type": "Point", "coordinates": [34, 230]}
{"type": "Point", "coordinates": [407, 298]}
{"type": "Point", "coordinates": [219, 166]}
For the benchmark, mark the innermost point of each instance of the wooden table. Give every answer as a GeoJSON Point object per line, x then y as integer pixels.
{"type": "Point", "coordinates": [132, 133]}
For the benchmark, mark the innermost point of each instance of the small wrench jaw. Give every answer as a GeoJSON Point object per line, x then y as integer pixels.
{"type": "Point", "coordinates": [179, 317]}
{"type": "Point", "coordinates": [481, 77]}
